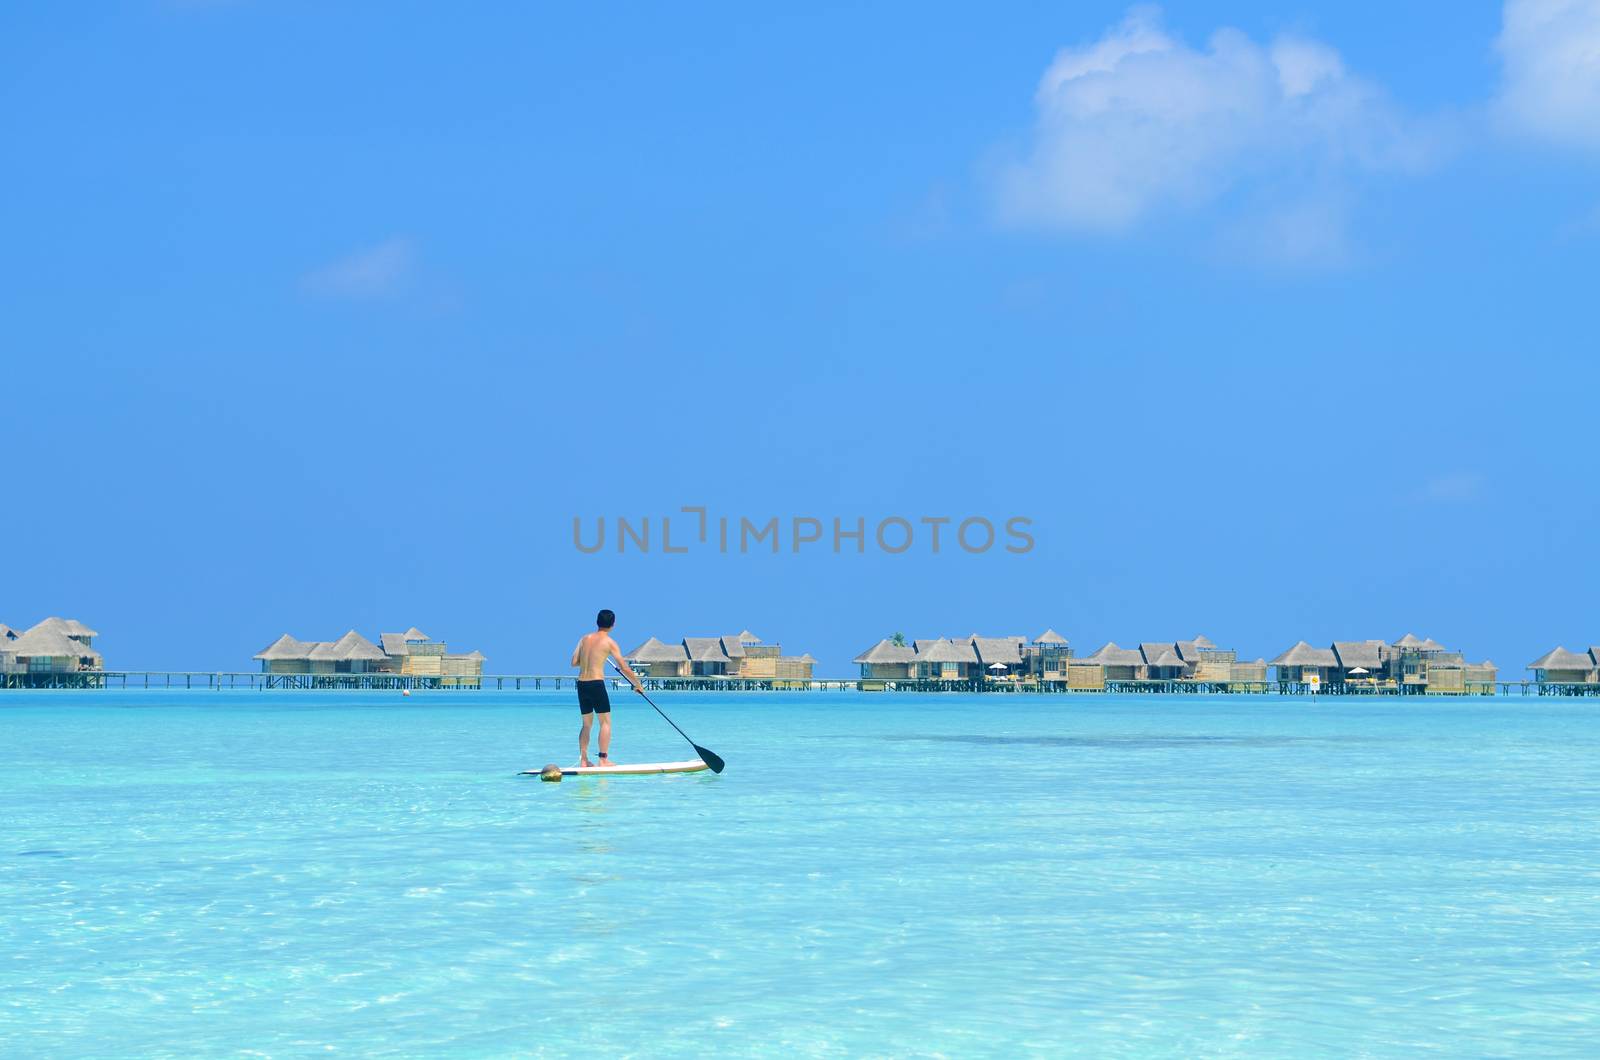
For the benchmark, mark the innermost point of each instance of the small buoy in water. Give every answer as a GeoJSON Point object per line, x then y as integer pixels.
{"type": "Point", "coordinates": [405, 691]}
{"type": "Point", "coordinates": [551, 772]}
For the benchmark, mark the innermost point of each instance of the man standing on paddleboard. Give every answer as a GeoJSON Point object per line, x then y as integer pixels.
{"type": "Point", "coordinates": [590, 657]}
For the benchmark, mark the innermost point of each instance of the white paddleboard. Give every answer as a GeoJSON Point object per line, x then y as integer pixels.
{"type": "Point", "coordinates": [630, 770]}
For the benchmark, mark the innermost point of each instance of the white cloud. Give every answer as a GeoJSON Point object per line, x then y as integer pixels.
{"type": "Point", "coordinates": [373, 272]}
{"type": "Point", "coordinates": [1551, 55]}
{"type": "Point", "coordinates": [1139, 122]}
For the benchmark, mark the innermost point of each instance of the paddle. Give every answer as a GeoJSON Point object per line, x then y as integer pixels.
{"type": "Point", "coordinates": [710, 758]}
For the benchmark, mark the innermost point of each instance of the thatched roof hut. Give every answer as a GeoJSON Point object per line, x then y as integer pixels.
{"type": "Point", "coordinates": [654, 650]}
{"type": "Point", "coordinates": [943, 651]}
{"type": "Point", "coordinates": [1409, 641]}
{"type": "Point", "coordinates": [1366, 654]}
{"type": "Point", "coordinates": [286, 647]}
{"type": "Point", "coordinates": [886, 652]}
{"type": "Point", "coordinates": [67, 627]}
{"type": "Point", "coordinates": [1050, 636]}
{"type": "Point", "coordinates": [705, 650]}
{"type": "Point", "coordinates": [49, 643]}
{"type": "Point", "coordinates": [398, 645]}
{"type": "Point", "coordinates": [353, 646]}
{"type": "Point", "coordinates": [1108, 654]}
{"type": "Point", "coordinates": [1303, 654]}
{"type": "Point", "coordinates": [1559, 658]}
{"type": "Point", "coordinates": [1160, 655]}
{"type": "Point", "coordinates": [1002, 650]}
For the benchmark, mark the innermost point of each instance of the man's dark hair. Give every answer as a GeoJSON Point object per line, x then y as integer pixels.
{"type": "Point", "coordinates": [605, 619]}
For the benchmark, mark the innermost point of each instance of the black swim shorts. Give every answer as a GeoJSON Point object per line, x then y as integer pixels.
{"type": "Point", "coordinates": [592, 698]}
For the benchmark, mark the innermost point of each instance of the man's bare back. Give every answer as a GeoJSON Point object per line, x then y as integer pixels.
{"type": "Point", "coordinates": [591, 654]}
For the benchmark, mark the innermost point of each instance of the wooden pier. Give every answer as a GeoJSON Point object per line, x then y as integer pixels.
{"type": "Point", "coordinates": [247, 680]}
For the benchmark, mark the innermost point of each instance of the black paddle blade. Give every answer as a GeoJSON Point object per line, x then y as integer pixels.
{"type": "Point", "coordinates": [710, 758]}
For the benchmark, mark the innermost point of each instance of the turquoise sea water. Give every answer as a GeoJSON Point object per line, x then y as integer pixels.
{"type": "Point", "coordinates": [288, 874]}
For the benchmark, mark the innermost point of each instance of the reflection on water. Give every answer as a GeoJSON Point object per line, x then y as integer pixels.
{"type": "Point", "coordinates": [591, 797]}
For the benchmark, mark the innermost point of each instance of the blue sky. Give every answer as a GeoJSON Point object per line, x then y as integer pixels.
{"type": "Point", "coordinates": [1276, 319]}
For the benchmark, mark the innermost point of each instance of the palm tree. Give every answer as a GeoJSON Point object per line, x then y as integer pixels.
{"type": "Point", "coordinates": [898, 640]}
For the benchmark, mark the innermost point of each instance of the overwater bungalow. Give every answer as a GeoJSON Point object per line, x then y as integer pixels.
{"type": "Point", "coordinates": [1411, 665]}
{"type": "Point", "coordinates": [48, 651]}
{"type": "Point", "coordinates": [742, 655]}
{"type": "Point", "coordinates": [70, 628]}
{"type": "Point", "coordinates": [1562, 672]}
{"type": "Point", "coordinates": [1049, 661]}
{"type": "Point", "coordinates": [1162, 662]}
{"type": "Point", "coordinates": [414, 653]}
{"type": "Point", "coordinates": [350, 654]}
{"type": "Point", "coordinates": [981, 661]}
{"type": "Point", "coordinates": [1418, 665]}
{"type": "Point", "coordinates": [940, 659]}
{"type": "Point", "coordinates": [1046, 658]}
{"type": "Point", "coordinates": [1118, 664]}
{"type": "Point", "coordinates": [1249, 676]}
{"type": "Point", "coordinates": [714, 656]}
{"type": "Point", "coordinates": [410, 654]}
{"type": "Point", "coordinates": [398, 647]}
{"type": "Point", "coordinates": [762, 661]}
{"type": "Point", "coordinates": [1000, 658]}
{"type": "Point", "coordinates": [887, 661]}
{"type": "Point", "coordinates": [1198, 662]}
{"type": "Point", "coordinates": [1361, 663]}
{"type": "Point", "coordinates": [1209, 663]}
{"type": "Point", "coordinates": [654, 658]}
{"type": "Point", "coordinates": [1409, 659]}
{"type": "Point", "coordinates": [1303, 665]}
{"type": "Point", "coordinates": [1480, 677]}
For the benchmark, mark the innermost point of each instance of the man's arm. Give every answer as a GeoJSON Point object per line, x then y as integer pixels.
{"type": "Point", "coordinates": [576, 651]}
{"type": "Point", "coordinates": [627, 671]}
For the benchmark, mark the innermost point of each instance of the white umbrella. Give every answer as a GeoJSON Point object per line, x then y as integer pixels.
{"type": "Point", "coordinates": [997, 666]}
{"type": "Point", "coordinates": [1359, 670]}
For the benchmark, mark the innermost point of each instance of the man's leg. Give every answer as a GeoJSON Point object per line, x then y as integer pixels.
{"type": "Point", "coordinates": [583, 740]}
{"type": "Point", "coordinates": [605, 738]}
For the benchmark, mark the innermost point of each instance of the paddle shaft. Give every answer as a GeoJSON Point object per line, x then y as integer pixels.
{"type": "Point", "coordinates": [708, 757]}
